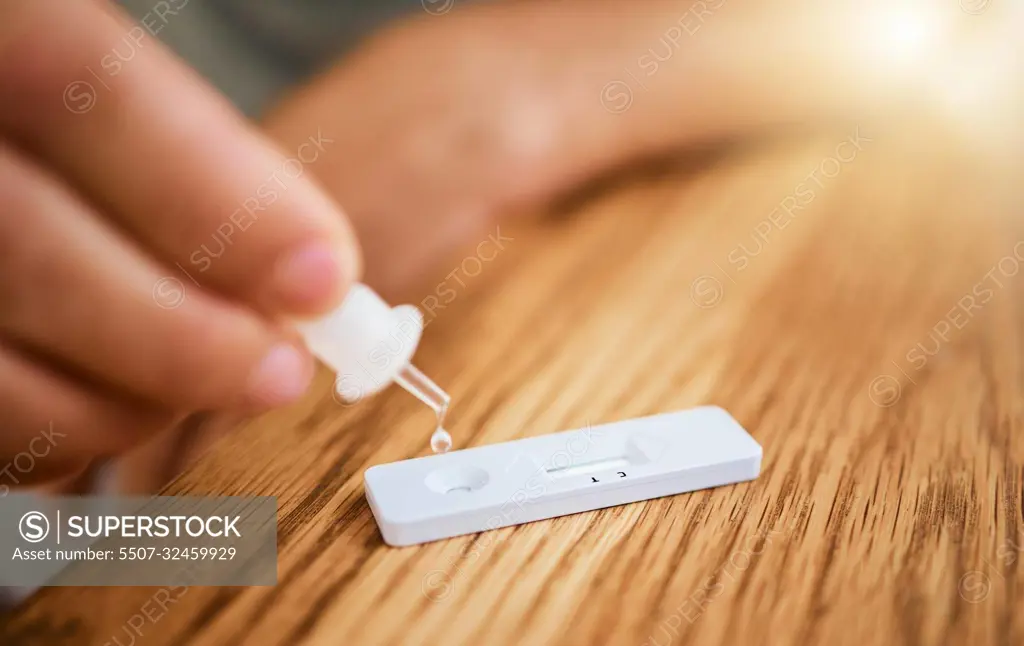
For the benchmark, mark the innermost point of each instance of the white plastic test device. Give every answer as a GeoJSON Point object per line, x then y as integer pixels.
{"type": "Point", "coordinates": [473, 490]}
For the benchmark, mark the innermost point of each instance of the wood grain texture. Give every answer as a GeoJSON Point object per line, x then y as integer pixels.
{"type": "Point", "coordinates": [889, 510]}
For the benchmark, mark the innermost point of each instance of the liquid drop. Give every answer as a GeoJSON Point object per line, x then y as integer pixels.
{"type": "Point", "coordinates": [440, 441]}
{"type": "Point", "coordinates": [420, 385]}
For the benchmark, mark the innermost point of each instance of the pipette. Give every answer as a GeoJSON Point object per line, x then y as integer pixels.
{"type": "Point", "coordinates": [370, 345]}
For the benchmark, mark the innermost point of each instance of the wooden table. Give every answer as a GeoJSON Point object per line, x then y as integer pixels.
{"type": "Point", "coordinates": [857, 308]}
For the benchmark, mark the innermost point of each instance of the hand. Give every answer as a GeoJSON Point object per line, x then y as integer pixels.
{"type": "Point", "coordinates": [151, 243]}
{"type": "Point", "coordinates": [442, 123]}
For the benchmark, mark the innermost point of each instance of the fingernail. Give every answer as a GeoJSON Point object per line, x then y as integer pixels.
{"type": "Point", "coordinates": [310, 279]}
{"type": "Point", "coordinates": [281, 377]}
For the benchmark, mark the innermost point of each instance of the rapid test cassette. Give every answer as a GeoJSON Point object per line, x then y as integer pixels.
{"type": "Point", "coordinates": [484, 488]}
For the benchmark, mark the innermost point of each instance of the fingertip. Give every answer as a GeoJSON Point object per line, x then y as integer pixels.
{"type": "Point", "coordinates": [281, 377]}
{"type": "Point", "coordinates": [314, 277]}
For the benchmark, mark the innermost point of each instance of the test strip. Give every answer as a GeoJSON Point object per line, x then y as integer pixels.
{"type": "Point", "coordinates": [488, 487]}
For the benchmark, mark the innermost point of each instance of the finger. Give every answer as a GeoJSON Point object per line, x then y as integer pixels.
{"type": "Point", "coordinates": [146, 140]}
{"type": "Point", "coordinates": [53, 427]}
{"type": "Point", "coordinates": [76, 290]}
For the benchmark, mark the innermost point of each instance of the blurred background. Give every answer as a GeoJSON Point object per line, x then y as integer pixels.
{"type": "Point", "coordinates": [452, 112]}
